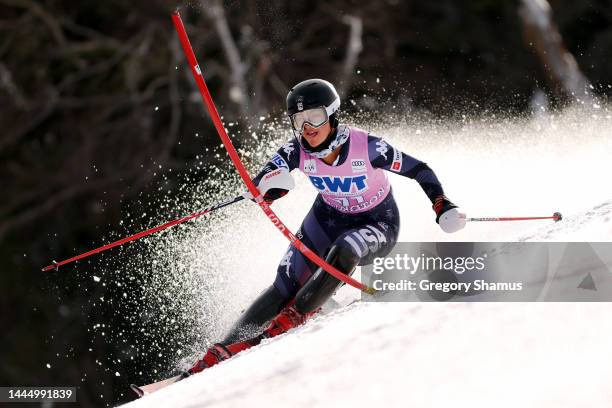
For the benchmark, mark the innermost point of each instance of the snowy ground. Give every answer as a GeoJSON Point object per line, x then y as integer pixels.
{"type": "Point", "coordinates": [459, 354]}
{"type": "Point", "coordinates": [422, 355]}
{"type": "Point", "coordinates": [594, 224]}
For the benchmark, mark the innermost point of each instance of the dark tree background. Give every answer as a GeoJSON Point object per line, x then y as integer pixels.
{"type": "Point", "coordinates": [95, 97]}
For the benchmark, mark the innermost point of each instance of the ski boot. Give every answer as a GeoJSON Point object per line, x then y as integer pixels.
{"type": "Point", "coordinates": [217, 353]}
{"type": "Point", "coordinates": [287, 319]}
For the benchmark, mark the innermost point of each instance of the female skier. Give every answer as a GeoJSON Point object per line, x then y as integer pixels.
{"type": "Point", "coordinates": [353, 219]}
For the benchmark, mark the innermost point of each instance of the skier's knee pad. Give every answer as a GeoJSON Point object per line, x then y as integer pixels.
{"type": "Point", "coordinates": [321, 284]}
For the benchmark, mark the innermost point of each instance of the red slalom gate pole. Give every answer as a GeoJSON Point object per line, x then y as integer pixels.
{"type": "Point", "coordinates": [56, 265]}
{"type": "Point", "coordinates": [214, 114]}
{"type": "Point", "coordinates": [556, 217]}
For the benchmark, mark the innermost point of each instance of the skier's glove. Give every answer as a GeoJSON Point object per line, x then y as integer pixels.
{"type": "Point", "coordinates": [447, 215]}
{"type": "Point", "coordinates": [269, 196]}
{"type": "Point", "coordinates": [274, 194]}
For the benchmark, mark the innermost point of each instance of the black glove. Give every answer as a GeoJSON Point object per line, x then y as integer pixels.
{"type": "Point", "coordinates": [274, 194]}
{"type": "Point", "coordinates": [442, 205]}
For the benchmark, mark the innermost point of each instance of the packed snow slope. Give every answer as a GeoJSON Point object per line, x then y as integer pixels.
{"type": "Point", "coordinates": [419, 355]}
{"type": "Point", "coordinates": [423, 355]}
{"type": "Point", "coordinates": [431, 354]}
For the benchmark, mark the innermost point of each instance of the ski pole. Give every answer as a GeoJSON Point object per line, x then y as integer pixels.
{"type": "Point", "coordinates": [556, 216]}
{"type": "Point", "coordinates": [276, 179]}
{"type": "Point", "coordinates": [55, 265]}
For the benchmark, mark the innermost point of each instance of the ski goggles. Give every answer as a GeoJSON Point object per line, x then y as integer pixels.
{"type": "Point", "coordinates": [315, 117]}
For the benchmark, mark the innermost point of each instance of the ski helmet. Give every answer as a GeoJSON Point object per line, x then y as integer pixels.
{"type": "Point", "coordinates": [315, 101]}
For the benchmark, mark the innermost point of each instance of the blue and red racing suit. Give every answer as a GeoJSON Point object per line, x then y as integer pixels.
{"type": "Point", "coordinates": [346, 225]}
{"type": "Point", "coordinates": [367, 234]}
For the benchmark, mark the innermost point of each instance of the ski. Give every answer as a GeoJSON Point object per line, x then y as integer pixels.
{"type": "Point", "coordinates": [142, 390]}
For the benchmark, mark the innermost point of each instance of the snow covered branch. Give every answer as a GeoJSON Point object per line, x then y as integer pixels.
{"type": "Point", "coordinates": [353, 50]}
{"type": "Point", "coordinates": [543, 36]}
{"type": "Point", "coordinates": [239, 92]}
